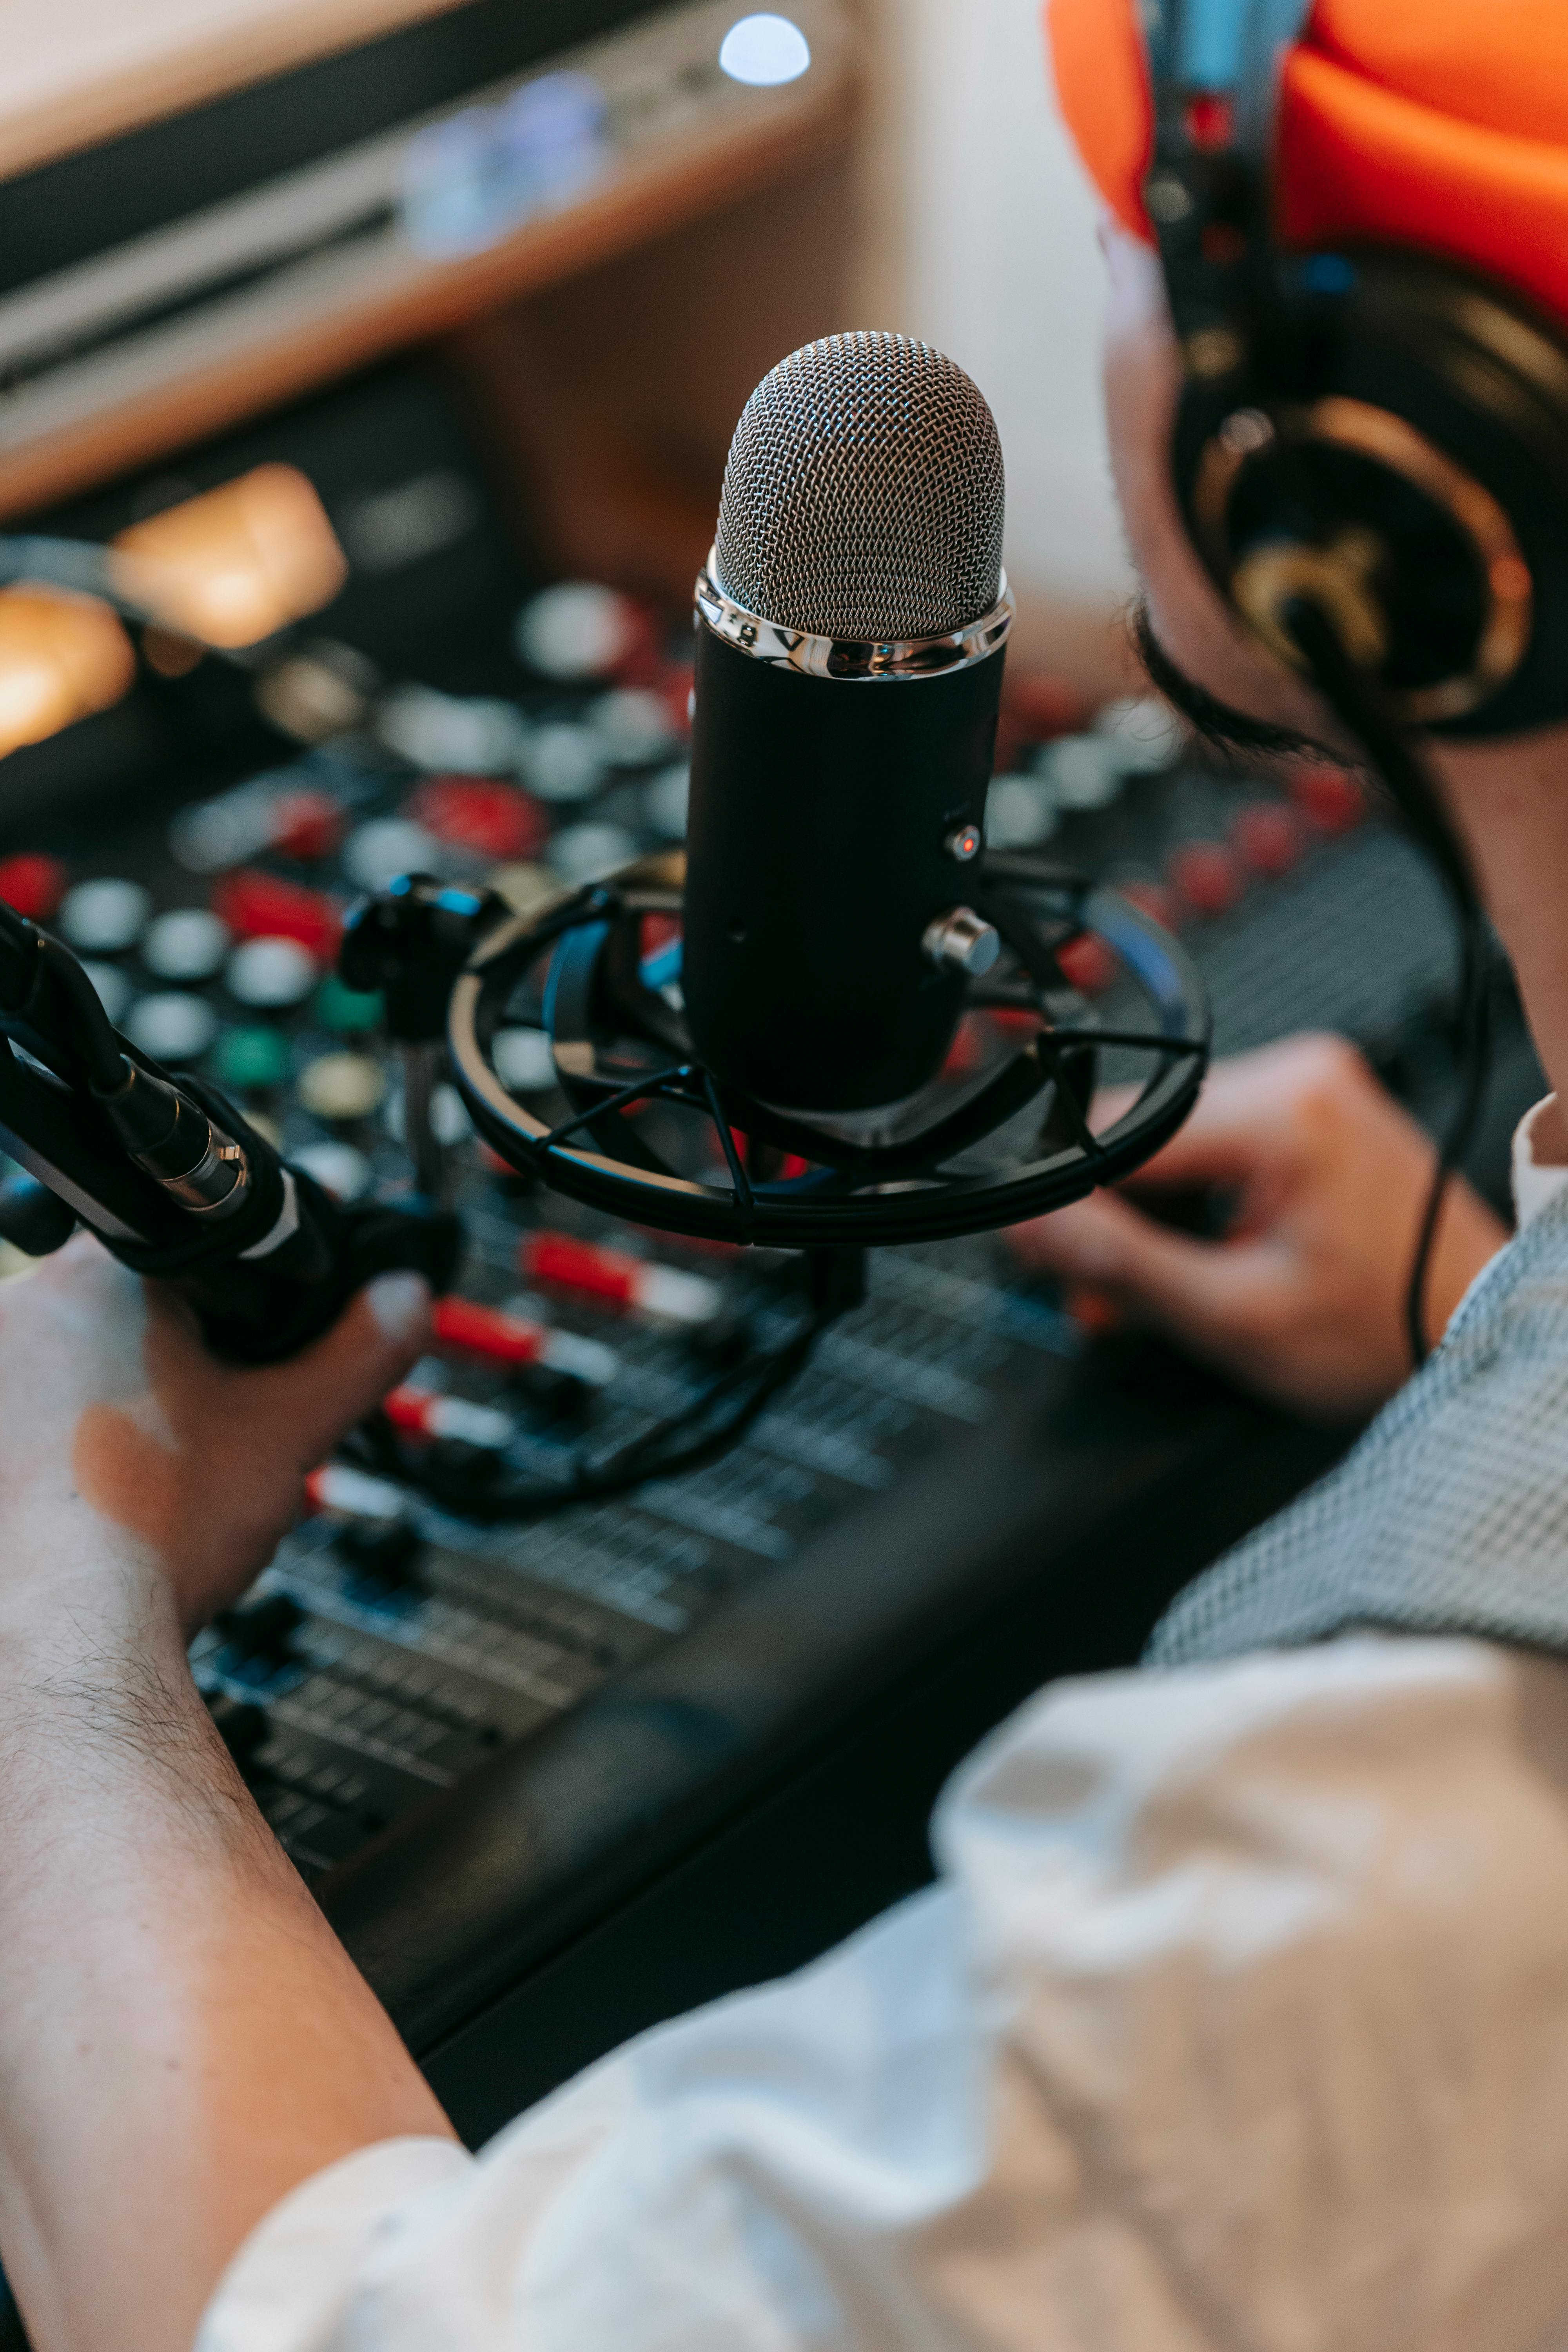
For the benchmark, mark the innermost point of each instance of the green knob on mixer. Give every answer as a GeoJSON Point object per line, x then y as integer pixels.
{"type": "Point", "coordinates": [251, 1059]}
{"type": "Point", "coordinates": [347, 1009]}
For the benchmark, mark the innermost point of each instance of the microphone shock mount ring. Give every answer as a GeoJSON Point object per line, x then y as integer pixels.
{"type": "Point", "coordinates": [650, 1134]}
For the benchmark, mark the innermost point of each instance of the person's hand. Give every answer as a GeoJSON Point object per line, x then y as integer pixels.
{"type": "Point", "coordinates": [181, 2039]}
{"type": "Point", "coordinates": [123, 1442]}
{"type": "Point", "coordinates": [1304, 1297]}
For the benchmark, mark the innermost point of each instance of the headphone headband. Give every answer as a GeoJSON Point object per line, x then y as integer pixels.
{"type": "Point", "coordinates": [1377, 434]}
{"type": "Point", "coordinates": [1229, 49]}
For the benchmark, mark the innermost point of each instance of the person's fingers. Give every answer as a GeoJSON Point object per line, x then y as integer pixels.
{"type": "Point", "coordinates": [1234, 1130]}
{"type": "Point", "coordinates": [1099, 1243]}
{"type": "Point", "coordinates": [1094, 1311]}
{"type": "Point", "coordinates": [317, 1395]}
{"type": "Point", "coordinates": [1229, 1131]}
{"type": "Point", "coordinates": [1069, 1241]}
{"type": "Point", "coordinates": [1204, 1289]}
{"type": "Point", "coordinates": [1109, 1104]}
{"type": "Point", "coordinates": [1258, 1114]}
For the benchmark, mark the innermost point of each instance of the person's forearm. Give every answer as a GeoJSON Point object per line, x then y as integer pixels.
{"type": "Point", "coordinates": [181, 2039]}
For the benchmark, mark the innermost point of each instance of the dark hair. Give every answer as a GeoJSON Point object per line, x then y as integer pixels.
{"type": "Point", "coordinates": [1214, 722]}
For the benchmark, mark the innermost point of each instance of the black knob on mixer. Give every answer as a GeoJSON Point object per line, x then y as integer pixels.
{"type": "Point", "coordinates": [411, 940]}
{"type": "Point", "coordinates": [264, 1632]}
{"type": "Point", "coordinates": [389, 1552]}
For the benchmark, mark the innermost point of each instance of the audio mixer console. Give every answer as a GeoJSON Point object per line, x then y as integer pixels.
{"type": "Point", "coordinates": [489, 1746]}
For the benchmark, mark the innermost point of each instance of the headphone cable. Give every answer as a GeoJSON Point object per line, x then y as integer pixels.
{"type": "Point", "coordinates": [1395, 758]}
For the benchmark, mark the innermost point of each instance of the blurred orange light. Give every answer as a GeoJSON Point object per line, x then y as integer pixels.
{"type": "Point", "coordinates": [237, 563]}
{"type": "Point", "coordinates": [61, 658]}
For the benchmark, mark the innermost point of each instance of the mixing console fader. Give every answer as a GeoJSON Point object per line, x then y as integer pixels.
{"type": "Point", "coordinates": [389, 1648]}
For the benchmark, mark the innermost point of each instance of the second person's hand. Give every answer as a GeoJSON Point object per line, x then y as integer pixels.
{"type": "Point", "coordinates": [1303, 1296]}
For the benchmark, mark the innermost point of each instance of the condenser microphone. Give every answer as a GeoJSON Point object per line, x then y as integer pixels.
{"type": "Point", "coordinates": [838, 909]}
{"type": "Point", "coordinates": [851, 629]}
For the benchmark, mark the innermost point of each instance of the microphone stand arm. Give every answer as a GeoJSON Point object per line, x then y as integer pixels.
{"type": "Point", "coordinates": [172, 1177]}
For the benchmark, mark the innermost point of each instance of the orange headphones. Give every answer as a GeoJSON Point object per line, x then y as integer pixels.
{"type": "Point", "coordinates": [1361, 209]}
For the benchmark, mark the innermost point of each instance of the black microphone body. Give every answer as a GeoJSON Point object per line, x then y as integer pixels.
{"type": "Point", "coordinates": [850, 627]}
{"type": "Point", "coordinates": [820, 837]}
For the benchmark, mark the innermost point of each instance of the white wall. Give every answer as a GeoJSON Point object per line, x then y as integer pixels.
{"type": "Point", "coordinates": [980, 238]}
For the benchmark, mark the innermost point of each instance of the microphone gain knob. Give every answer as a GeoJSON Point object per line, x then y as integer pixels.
{"type": "Point", "coordinates": [962, 940]}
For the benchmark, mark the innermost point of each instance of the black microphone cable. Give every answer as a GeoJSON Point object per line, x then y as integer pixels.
{"type": "Point", "coordinates": [44, 983]}
{"type": "Point", "coordinates": [701, 1430]}
{"type": "Point", "coordinates": [1394, 759]}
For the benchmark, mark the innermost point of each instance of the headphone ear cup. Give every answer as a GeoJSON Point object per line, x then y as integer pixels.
{"type": "Point", "coordinates": [1407, 467]}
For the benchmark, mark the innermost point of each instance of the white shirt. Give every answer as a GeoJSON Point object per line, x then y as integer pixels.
{"type": "Point", "coordinates": [1534, 1182]}
{"type": "Point", "coordinates": [1237, 2018]}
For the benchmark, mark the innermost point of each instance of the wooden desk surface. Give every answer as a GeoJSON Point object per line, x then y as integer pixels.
{"type": "Point", "coordinates": [80, 70]}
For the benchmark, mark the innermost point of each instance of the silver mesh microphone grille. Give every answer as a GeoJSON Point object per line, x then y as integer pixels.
{"type": "Point", "coordinates": [863, 495]}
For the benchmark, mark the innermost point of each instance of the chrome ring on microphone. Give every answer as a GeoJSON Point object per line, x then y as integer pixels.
{"type": "Point", "coordinates": [849, 657]}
